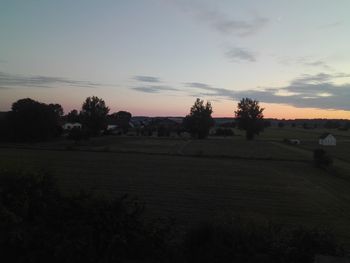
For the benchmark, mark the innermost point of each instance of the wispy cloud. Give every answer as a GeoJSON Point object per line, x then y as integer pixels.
{"type": "Point", "coordinates": [237, 54]}
{"type": "Point", "coordinates": [308, 90]}
{"type": "Point", "coordinates": [305, 61]}
{"type": "Point", "coordinates": [222, 22]}
{"type": "Point", "coordinates": [330, 25]}
{"type": "Point", "coordinates": [316, 91]}
{"type": "Point", "coordinates": [154, 89]}
{"type": "Point", "coordinates": [146, 79]}
{"type": "Point", "coordinates": [18, 81]}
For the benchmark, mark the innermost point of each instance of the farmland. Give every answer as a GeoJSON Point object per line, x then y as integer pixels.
{"type": "Point", "coordinates": [194, 180]}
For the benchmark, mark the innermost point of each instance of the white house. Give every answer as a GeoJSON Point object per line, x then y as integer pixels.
{"type": "Point", "coordinates": [69, 125]}
{"type": "Point", "coordinates": [327, 139]}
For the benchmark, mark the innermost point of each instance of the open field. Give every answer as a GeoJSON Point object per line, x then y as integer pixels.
{"type": "Point", "coordinates": [199, 180]}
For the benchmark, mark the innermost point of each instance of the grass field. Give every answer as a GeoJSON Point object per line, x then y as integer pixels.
{"type": "Point", "coordinates": [197, 180]}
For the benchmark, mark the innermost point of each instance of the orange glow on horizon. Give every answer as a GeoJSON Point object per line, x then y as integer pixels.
{"type": "Point", "coordinates": [282, 111]}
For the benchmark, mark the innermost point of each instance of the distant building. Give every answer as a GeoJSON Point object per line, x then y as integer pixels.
{"type": "Point", "coordinates": [69, 125]}
{"type": "Point", "coordinates": [327, 139]}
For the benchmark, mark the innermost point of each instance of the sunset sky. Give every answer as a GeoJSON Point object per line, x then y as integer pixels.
{"type": "Point", "coordinates": [155, 57]}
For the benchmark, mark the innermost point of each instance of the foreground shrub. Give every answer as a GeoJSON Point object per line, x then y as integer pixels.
{"type": "Point", "coordinates": [235, 240]}
{"type": "Point", "coordinates": [38, 224]}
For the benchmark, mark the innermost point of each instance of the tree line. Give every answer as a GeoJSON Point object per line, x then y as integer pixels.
{"type": "Point", "coordinates": [30, 120]}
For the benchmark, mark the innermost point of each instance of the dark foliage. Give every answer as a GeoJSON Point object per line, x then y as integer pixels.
{"type": "Point", "coordinates": [228, 125]}
{"type": "Point", "coordinates": [122, 119]}
{"type": "Point", "coordinates": [199, 121]}
{"type": "Point", "coordinates": [224, 132]}
{"type": "Point", "coordinates": [4, 127]}
{"type": "Point", "coordinates": [73, 116]}
{"type": "Point", "coordinates": [30, 120]}
{"type": "Point", "coordinates": [38, 224]}
{"type": "Point", "coordinates": [322, 158]}
{"type": "Point", "coordinates": [94, 115]}
{"type": "Point", "coordinates": [249, 117]}
{"type": "Point", "coordinates": [235, 240]}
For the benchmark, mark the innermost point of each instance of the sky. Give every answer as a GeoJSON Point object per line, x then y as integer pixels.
{"type": "Point", "coordinates": [155, 57]}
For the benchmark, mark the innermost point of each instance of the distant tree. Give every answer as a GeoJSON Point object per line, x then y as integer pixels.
{"type": "Point", "coordinates": [199, 121]}
{"type": "Point", "coordinates": [94, 115]}
{"type": "Point", "coordinates": [281, 124]}
{"type": "Point", "coordinates": [73, 116]}
{"type": "Point", "coordinates": [122, 119]}
{"type": "Point", "coordinates": [294, 125]}
{"type": "Point", "coordinates": [249, 117]}
{"type": "Point", "coordinates": [30, 120]}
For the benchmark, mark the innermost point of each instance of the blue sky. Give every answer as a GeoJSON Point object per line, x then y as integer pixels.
{"type": "Point", "coordinates": [155, 57]}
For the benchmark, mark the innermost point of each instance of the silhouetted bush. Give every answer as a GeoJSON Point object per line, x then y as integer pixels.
{"type": "Point", "coordinates": [38, 224]}
{"type": "Point", "coordinates": [235, 240]}
{"type": "Point", "coordinates": [322, 158]}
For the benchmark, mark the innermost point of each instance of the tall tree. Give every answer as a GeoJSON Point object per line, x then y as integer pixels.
{"type": "Point", "coordinates": [199, 121]}
{"type": "Point", "coordinates": [249, 117]}
{"type": "Point", "coordinates": [94, 115]}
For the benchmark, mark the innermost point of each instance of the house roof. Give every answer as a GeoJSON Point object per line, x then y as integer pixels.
{"type": "Point", "coordinates": [325, 135]}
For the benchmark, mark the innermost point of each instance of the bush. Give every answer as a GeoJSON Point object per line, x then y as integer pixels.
{"type": "Point", "coordinates": [38, 224]}
{"type": "Point", "coordinates": [235, 240]}
{"type": "Point", "coordinates": [322, 158]}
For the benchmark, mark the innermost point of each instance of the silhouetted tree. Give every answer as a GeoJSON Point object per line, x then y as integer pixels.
{"type": "Point", "coordinates": [122, 119]}
{"type": "Point", "coordinates": [73, 116]}
{"type": "Point", "coordinates": [199, 121]}
{"type": "Point", "coordinates": [30, 120]}
{"type": "Point", "coordinates": [94, 115]}
{"type": "Point", "coordinates": [249, 117]}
